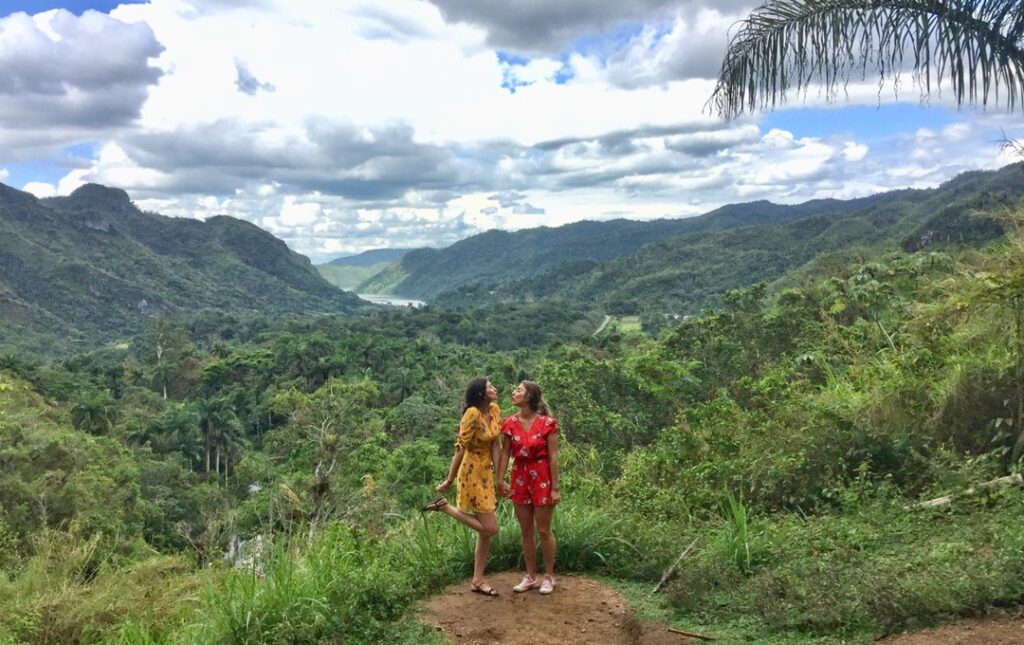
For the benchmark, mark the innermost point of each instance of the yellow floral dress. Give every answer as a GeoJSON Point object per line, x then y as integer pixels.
{"type": "Point", "coordinates": [475, 478]}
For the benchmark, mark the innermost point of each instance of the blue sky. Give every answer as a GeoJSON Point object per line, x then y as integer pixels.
{"type": "Point", "coordinates": [36, 6]}
{"type": "Point", "coordinates": [349, 125]}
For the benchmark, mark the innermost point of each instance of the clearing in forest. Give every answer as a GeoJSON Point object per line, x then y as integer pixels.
{"type": "Point", "coordinates": [580, 611]}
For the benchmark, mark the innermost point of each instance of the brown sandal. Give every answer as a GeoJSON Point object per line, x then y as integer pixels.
{"type": "Point", "coordinates": [479, 588]}
{"type": "Point", "coordinates": [436, 505]}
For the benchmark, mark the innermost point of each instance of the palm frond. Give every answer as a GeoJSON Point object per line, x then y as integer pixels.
{"type": "Point", "coordinates": [977, 46]}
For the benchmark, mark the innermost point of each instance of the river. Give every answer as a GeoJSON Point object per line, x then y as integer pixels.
{"type": "Point", "coordinates": [379, 299]}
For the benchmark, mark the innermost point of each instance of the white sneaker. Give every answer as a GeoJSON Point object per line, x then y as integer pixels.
{"type": "Point", "coordinates": [528, 582]}
{"type": "Point", "coordinates": [548, 585]}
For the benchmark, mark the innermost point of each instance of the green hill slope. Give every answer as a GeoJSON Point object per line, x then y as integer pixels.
{"type": "Point", "coordinates": [689, 271]}
{"type": "Point", "coordinates": [499, 256]}
{"type": "Point", "coordinates": [349, 277]}
{"type": "Point", "coordinates": [79, 269]}
{"type": "Point", "coordinates": [371, 258]}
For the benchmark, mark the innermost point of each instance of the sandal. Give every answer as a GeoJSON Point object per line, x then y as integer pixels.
{"type": "Point", "coordinates": [528, 582]}
{"type": "Point", "coordinates": [436, 505]}
{"type": "Point", "coordinates": [548, 585]}
{"type": "Point", "coordinates": [479, 588]}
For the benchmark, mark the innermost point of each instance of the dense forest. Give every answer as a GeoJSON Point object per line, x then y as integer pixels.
{"type": "Point", "coordinates": [83, 270]}
{"type": "Point", "coordinates": [238, 477]}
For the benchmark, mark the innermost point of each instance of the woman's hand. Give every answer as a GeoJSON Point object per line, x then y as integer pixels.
{"type": "Point", "coordinates": [504, 489]}
{"type": "Point", "coordinates": [444, 486]}
{"type": "Point", "coordinates": [555, 496]}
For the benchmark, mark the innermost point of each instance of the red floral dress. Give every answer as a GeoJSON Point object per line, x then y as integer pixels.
{"type": "Point", "coordinates": [531, 471]}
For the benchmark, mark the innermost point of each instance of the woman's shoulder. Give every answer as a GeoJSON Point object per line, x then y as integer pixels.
{"type": "Point", "coordinates": [550, 422]}
{"type": "Point", "coordinates": [471, 413]}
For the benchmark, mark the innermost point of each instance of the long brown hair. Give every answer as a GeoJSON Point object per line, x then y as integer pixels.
{"type": "Point", "coordinates": [535, 398]}
{"type": "Point", "coordinates": [476, 393]}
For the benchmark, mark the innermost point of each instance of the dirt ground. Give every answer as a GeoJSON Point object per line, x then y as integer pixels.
{"type": "Point", "coordinates": [1001, 630]}
{"type": "Point", "coordinates": [584, 611]}
{"type": "Point", "coordinates": [580, 611]}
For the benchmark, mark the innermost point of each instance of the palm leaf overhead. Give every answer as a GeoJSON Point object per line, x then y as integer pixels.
{"type": "Point", "coordinates": [976, 46]}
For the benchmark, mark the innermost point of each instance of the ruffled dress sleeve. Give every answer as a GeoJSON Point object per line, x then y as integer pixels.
{"type": "Point", "coordinates": [471, 420]}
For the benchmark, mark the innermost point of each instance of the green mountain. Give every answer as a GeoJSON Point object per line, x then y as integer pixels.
{"type": "Point", "coordinates": [369, 258]}
{"type": "Point", "coordinates": [91, 266]}
{"type": "Point", "coordinates": [496, 257]}
{"type": "Point", "coordinates": [349, 277]}
{"type": "Point", "coordinates": [691, 270]}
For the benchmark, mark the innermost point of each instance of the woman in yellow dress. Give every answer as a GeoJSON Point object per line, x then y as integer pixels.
{"type": "Point", "coordinates": [476, 453]}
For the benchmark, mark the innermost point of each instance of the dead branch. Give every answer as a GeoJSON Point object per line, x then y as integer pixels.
{"type": "Point", "coordinates": [672, 569]}
{"type": "Point", "coordinates": [999, 482]}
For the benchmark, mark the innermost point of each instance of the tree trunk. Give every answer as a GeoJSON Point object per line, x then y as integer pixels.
{"type": "Point", "coordinates": [1018, 446]}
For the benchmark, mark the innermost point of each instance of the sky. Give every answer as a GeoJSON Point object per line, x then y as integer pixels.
{"type": "Point", "coordinates": [342, 126]}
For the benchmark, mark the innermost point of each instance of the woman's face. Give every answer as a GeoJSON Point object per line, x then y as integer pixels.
{"type": "Point", "coordinates": [519, 395]}
{"type": "Point", "coordinates": [492, 392]}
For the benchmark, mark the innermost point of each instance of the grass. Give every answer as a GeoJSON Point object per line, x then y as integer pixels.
{"type": "Point", "coordinates": [628, 324]}
{"type": "Point", "coordinates": [867, 568]}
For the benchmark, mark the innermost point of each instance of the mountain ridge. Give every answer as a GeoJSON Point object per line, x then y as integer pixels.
{"type": "Point", "coordinates": [92, 265]}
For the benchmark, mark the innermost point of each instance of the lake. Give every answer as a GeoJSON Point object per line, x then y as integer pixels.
{"type": "Point", "coordinates": [379, 299]}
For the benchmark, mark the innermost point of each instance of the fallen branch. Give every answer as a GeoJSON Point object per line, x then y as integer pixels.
{"type": "Point", "coordinates": [999, 482]}
{"type": "Point", "coordinates": [691, 634]}
{"type": "Point", "coordinates": [671, 569]}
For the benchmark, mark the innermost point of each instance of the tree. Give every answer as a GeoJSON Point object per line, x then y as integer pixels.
{"type": "Point", "coordinates": [975, 45]}
{"type": "Point", "coordinates": [94, 412]}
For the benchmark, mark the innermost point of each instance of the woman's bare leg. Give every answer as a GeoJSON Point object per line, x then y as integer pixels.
{"type": "Point", "coordinates": [547, 538]}
{"type": "Point", "coordinates": [469, 519]}
{"type": "Point", "coordinates": [489, 528]}
{"type": "Point", "coordinates": [524, 513]}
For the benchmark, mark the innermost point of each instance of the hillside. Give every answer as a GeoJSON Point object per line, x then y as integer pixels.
{"type": "Point", "coordinates": [495, 256]}
{"type": "Point", "coordinates": [92, 266]}
{"type": "Point", "coordinates": [691, 270]}
{"type": "Point", "coordinates": [369, 258]}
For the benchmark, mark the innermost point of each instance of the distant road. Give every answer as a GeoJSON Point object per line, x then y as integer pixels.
{"type": "Point", "coordinates": [604, 323]}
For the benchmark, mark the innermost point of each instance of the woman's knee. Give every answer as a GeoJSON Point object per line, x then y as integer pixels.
{"type": "Point", "coordinates": [545, 532]}
{"type": "Point", "coordinates": [489, 530]}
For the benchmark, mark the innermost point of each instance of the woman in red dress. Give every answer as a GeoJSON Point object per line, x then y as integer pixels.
{"type": "Point", "coordinates": [530, 437]}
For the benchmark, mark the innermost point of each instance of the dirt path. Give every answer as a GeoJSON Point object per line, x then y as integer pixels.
{"type": "Point", "coordinates": [584, 611]}
{"type": "Point", "coordinates": [1003, 630]}
{"type": "Point", "coordinates": [580, 611]}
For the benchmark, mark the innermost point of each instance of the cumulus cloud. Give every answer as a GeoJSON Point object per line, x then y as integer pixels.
{"type": "Point", "coordinates": [392, 123]}
{"type": "Point", "coordinates": [691, 46]}
{"type": "Point", "coordinates": [58, 69]}
{"type": "Point", "coordinates": [246, 81]}
{"type": "Point", "coordinates": [550, 26]}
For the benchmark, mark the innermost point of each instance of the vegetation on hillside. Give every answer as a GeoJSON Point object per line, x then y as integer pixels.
{"type": "Point", "coordinates": [791, 433]}
{"type": "Point", "coordinates": [86, 269]}
{"type": "Point", "coordinates": [692, 271]}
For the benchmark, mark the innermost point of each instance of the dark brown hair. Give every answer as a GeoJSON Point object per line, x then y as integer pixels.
{"type": "Point", "coordinates": [476, 393]}
{"type": "Point", "coordinates": [535, 398]}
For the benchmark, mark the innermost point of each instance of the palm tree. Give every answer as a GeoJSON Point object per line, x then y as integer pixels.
{"type": "Point", "coordinates": [977, 46]}
{"type": "Point", "coordinates": [94, 412]}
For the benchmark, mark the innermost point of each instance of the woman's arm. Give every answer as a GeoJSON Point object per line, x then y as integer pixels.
{"type": "Point", "coordinates": [506, 452]}
{"type": "Point", "coordinates": [556, 495]}
{"type": "Point", "coordinates": [453, 470]}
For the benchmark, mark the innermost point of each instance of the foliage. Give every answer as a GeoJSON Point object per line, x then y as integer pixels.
{"type": "Point", "coordinates": [89, 268]}
{"type": "Point", "coordinates": [977, 46]}
{"type": "Point", "coordinates": [791, 430]}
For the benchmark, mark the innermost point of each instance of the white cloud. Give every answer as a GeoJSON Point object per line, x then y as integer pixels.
{"type": "Point", "coordinates": [40, 189]}
{"type": "Point", "coordinates": [64, 76]}
{"type": "Point", "coordinates": [388, 123]}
